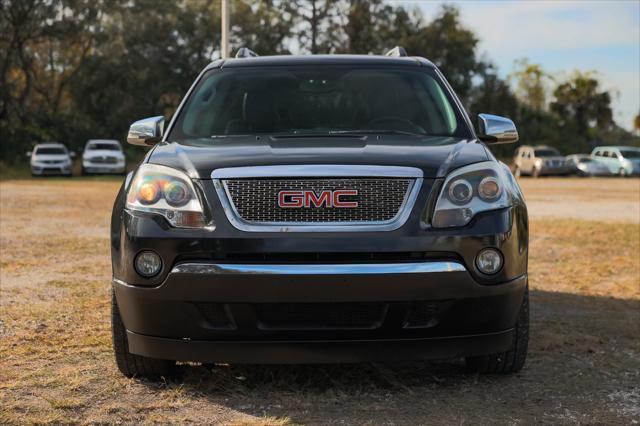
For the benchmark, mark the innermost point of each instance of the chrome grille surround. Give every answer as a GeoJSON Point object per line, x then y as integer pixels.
{"type": "Point", "coordinates": [388, 210]}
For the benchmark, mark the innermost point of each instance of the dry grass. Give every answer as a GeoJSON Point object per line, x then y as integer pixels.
{"type": "Point", "coordinates": [56, 364]}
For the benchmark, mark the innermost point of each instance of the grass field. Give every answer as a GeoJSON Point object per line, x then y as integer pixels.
{"type": "Point", "coordinates": [56, 363]}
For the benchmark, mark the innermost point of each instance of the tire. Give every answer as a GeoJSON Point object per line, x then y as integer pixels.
{"type": "Point", "coordinates": [129, 364]}
{"type": "Point", "coordinates": [517, 172]}
{"type": "Point", "coordinates": [622, 172]}
{"type": "Point", "coordinates": [535, 172]}
{"type": "Point", "coordinates": [513, 359]}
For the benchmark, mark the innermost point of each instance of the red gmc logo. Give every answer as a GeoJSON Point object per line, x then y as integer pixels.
{"type": "Point", "coordinates": [308, 198]}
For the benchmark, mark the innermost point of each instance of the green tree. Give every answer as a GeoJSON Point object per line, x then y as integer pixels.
{"type": "Point", "coordinates": [368, 22]}
{"type": "Point", "coordinates": [318, 23]}
{"type": "Point", "coordinates": [531, 84]}
{"type": "Point", "coordinates": [265, 26]}
{"type": "Point", "coordinates": [447, 43]}
{"type": "Point", "coordinates": [582, 108]}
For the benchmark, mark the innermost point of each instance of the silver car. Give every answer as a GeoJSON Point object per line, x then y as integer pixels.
{"type": "Point", "coordinates": [103, 156]}
{"type": "Point", "coordinates": [51, 159]}
{"type": "Point", "coordinates": [584, 165]}
{"type": "Point", "coordinates": [539, 160]}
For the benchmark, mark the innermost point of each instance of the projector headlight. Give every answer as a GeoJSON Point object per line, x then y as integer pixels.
{"type": "Point", "coordinates": [167, 192]}
{"type": "Point", "coordinates": [470, 190]}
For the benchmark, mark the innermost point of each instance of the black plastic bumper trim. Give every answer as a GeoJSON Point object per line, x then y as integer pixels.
{"type": "Point", "coordinates": [318, 352]}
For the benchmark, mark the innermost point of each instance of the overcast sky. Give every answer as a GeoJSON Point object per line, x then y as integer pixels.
{"type": "Point", "coordinates": [561, 36]}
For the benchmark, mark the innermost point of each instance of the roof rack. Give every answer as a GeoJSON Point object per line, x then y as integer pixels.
{"type": "Point", "coordinates": [245, 52]}
{"type": "Point", "coordinates": [397, 51]}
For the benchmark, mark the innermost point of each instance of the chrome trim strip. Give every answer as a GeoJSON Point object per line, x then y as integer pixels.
{"type": "Point", "coordinates": [318, 269]}
{"type": "Point", "coordinates": [317, 170]}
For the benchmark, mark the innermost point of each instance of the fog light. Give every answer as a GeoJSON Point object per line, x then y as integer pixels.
{"type": "Point", "coordinates": [148, 263]}
{"type": "Point", "coordinates": [489, 261]}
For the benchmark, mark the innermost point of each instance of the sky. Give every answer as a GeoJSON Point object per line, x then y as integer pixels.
{"type": "Point", "coordinates": [561, 36]}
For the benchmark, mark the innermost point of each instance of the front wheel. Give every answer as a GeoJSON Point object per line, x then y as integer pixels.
{"type": "Point", "coordinates": [513, 359]}
{"type": "Point", "coordinates": [129, 364]}
{"type": "Point", "coordinates": [536, 172]}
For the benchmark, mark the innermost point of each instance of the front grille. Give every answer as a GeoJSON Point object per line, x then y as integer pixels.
{"type": "Point", "coordinates": [53, 161]}
{"type": "Point", "coordinates": [379, 199]}
{"type": "Point", "coordinates": [104, 160]}
{"type": "Point", "coordinates": [319, 316]}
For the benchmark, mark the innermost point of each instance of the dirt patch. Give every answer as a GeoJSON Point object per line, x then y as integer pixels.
{"type": "Point", "coordinates": [56, 364]}
{"type": "Point", "coordinates": [597, 199]}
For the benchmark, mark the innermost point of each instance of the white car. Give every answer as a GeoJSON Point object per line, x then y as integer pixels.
{"type": "Point", "coordinates": [51, 159]}
{"type": "Point", "coordinates": [103, 156]}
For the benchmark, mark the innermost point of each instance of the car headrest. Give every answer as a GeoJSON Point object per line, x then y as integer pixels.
{"type": "Point", "coordinates": [259, 110]}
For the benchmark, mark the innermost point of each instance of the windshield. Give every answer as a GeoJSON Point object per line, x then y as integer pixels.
{"type": "Point", "coordinates": [547, 152]}
{"type": "Point", "coordinates": [627, 153]}
{"type": "Point", "coordinates": [103, 146]}
{"type": "Point", "coordinates": [51, 151]}
{"type": "Point", "coordinates": [331, 99]}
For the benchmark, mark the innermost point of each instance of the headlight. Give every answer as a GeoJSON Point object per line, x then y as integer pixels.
{"type": "Point", "coordinates": [167, 192]}
{"type": "Point", "coordinates": [468, 191]}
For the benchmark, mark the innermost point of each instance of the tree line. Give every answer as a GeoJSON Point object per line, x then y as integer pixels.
{"type": "Point", "coordinates": [71, 70]}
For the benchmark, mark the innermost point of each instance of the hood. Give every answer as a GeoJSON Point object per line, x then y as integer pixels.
{"type": "Point", "coordinates": [50, 157]}
{"type": "Point", "coordinates": [435, 156]}
{"type": "Point", "coordinates": [102, 153]}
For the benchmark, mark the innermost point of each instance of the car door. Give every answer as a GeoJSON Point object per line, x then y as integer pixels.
{"type": "Point", "coordinates": [606, 160]}
{"type": "Point", "coordinates": [616, 162]}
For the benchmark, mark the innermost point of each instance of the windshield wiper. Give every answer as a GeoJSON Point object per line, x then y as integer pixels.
{"type": "Point", "coordinates": [374, 131]}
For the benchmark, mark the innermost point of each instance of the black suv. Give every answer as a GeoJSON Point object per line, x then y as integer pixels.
{"type": "Point", "coordinates": [312, 209]}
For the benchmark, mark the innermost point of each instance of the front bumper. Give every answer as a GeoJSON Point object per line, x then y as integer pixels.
{"type": "Point", "coordinates": [554, 170]}
{"type": "Point", "coordinates": [51, 170]}
{"type": "Point", "coordinates": [212, 312]}
{"type": "Point", "coordinates": [103, 168]}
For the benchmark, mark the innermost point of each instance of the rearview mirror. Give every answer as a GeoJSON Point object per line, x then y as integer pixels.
{"type": "Point", "coordinates": [146, 132]}
{"type": "Point", "coordinates": [494, 129]}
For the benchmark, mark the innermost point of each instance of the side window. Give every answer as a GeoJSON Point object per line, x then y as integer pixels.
{"type": "Point", "coordinates": [529, 154]}
{"type": "Point", "coordinates": [597, 153]}
{"type": "Point", "coordinates": [605, 154]}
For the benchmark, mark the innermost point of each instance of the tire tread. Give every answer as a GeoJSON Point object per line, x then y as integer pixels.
{"type": "Point", "coordinates": [129, 364]}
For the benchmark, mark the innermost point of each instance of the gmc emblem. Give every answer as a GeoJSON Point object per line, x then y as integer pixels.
{"type": "Point", "coordinates": [308, 198]}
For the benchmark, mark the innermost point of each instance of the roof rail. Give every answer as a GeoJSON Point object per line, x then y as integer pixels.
{"type": "Point", "coordinates": [245, 52]}
{"type": "Point", "coordinates": [397, 51]}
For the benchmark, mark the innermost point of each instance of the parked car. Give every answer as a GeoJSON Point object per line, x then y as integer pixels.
{"type": "Point", "coordinates": [330, 208]}
{"type": "Point", "coordinates": [584, 165]}
{"type": "Point", "coordinates": [103, 156]}
{"type": "Point", "coordinates": [51, 158]}
{"type": "Point", "coordinates": [539, 161]}
{"type": "Point", "coordinates": [620, 160]}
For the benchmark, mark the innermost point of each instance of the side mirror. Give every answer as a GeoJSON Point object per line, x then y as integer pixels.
{"type": "Point", "coordinates": [28, 154]}
{"type": "Point", "coordinates": [494, 129]}
{"type": "Point", "coordinates": [146, 132]}
{"type": "Point", "coordinates": [72, 154]}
